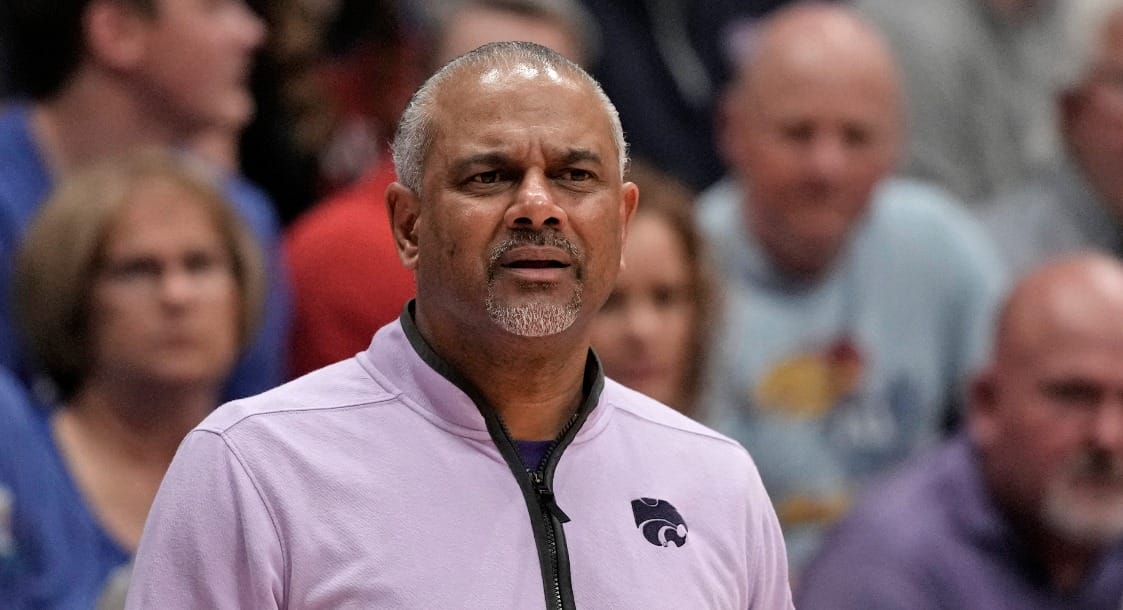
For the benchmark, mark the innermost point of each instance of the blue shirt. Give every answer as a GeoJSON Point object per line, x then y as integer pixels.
{"type": "Point", "coordinates": [830, 382]}
{"type": "Point", "coordinates": [53, 552]}
{"type": "Point", "coordinates": [25, 185]}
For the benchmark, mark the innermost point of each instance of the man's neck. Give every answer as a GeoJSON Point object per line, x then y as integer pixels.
{"type": "Point", "coordinates": [534, 384]}
{"type": "Point", "coordinates": [96, 116]}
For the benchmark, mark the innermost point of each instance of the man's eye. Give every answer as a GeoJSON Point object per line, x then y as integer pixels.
{"type": "Point", "coordinates": [486, 177]}
{"type": "Point", "coordinates": [576, 175]}
{"type": "Point", "coordinates": [798, 132]}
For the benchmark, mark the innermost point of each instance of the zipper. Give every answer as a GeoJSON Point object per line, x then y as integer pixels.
{"type": "Point", "coordinates": [553, 517]}
{"type": "Point", "coordinates": [546, 517]}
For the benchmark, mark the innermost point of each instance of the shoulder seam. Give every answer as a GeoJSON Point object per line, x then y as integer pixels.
{"type": "Point", "coordinates": [222, 430]}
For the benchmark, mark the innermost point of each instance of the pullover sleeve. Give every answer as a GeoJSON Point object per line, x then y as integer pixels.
{"type": "Point", "coordinates": [210, 540]}
{"type": "Point", "coordinates": [768, 560]}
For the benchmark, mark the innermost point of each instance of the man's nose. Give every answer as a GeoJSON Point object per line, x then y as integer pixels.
{"type": "Point", "coordinates": [1108, 425]}
{"type": "Point", "coordinates": [535, 206]}
{"type": "Point", "coordinates": [828, 156]}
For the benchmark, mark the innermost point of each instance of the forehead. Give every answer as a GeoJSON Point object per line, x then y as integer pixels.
{"type": "Point", "coordinates": [161, 209]}
{"type": "Point", "coordinates": [1091, 361]}
{"type": "Point", "coordinates": [812, 90]}
{"type": "Point", "coordinates": [790, 72]}
{"type": "Point", "coordinates": [1089, 345]}
{"type": "Point", "coordinates": [520, 107]}
{"type": "Point", "coordinates": [654, 245]}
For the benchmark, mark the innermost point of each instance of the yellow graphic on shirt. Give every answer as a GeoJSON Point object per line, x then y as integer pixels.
{"type": "Point", "coordinates": [805, 510]}
{"type": "Point", "coordinates": [808, 384]}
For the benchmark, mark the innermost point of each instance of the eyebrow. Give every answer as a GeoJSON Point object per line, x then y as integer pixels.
{"type": "Point", "coordinates": [498, 159]}
{"type": "Point", "coordinates": [488, 158]}
{"type": "Point", "coordinates": [576, 155]}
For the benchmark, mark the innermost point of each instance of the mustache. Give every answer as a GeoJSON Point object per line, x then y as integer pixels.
{"type": "Point", "coordinates": [525, 237]}
{"type": "Point", "coordinates": [1097, 465]}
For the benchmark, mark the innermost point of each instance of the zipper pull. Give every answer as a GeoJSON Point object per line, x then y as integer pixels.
{"type": "Point", "coordinates": [546, 495]}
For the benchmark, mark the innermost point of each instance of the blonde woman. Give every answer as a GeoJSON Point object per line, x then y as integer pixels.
{"type": "Point", "coordinates": [136, 287]}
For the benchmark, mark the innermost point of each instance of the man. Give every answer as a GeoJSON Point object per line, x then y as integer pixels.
{"type": "Point", "coordinates": [1025, 510]}
{"type": "Point", "coordinates": [977, 80]}
{"type": "Point", "coordinates": [107, 76]}
{"type": "Point", "coordinates": [1080, 204]}
{"type": "Point", "coordinates": [474, 456]}
{"type": "Point", "coordinates": [664, 63]}
{"type": "Point", "coordinates": [347, 281]}
{"type": "Point", "coordinates": [855, 302]}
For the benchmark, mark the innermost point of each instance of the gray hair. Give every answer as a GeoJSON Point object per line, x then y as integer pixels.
{"type": "Point", "coordinates": [415, 129]}
{"type": "Point", "coordinates": [1081, 26]}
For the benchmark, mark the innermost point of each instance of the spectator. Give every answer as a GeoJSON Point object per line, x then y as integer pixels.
{"type": "Point", "coordinates": [1025, 509]}
{"type": "Point", "coordinates": [1080, 204]}
{"type": "Point", "coordinates": [477, 437]}
{"type": "Point", "coordinates": [976, 77]}
{"type": "Point", "coordinates": [348, 281]}
{"type": "Point", "coordinates": [331, 83]}
{"type": "Point", "coordinates": [664, 63]}
{"type": "Point", "coordinates": [16, 438]}
{"type": "Point", "coordinates": [107, 76]}
{"type": "Point", "coordinates": [135, 288]}
{"type": "Point", "coordinates": [857, 303]}
{"type": "Point", "coordinates": [651, 335]}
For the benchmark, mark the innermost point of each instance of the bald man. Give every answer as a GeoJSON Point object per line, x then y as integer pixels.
{"type": "Point", "coordinates": [857, 303]}
{"type": "Point", "coordinates": [1025, 509]}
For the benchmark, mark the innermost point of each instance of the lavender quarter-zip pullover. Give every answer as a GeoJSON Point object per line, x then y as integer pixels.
{"type": "Point", "coordinates": [379, 482]}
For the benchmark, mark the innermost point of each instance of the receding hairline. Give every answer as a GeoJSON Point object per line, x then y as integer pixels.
{"type": "Point", "coordinates": [468, 81]}
{"type": "Point", "coordinates": [414, 137]}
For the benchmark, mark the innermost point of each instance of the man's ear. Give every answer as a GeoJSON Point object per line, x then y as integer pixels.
{"type": "Point", "coordinates": [115, 33]}
{"type": "Point", "coordinates": [725, 118]}
{"type": "Point", "coordinates": [983, 407]}
{"type": "Point", "coordinates": [403, 206]}
{"type": "Point", "coordinates": [628, 204]}
{"type": "Point", "coordinates": [1070, 105]}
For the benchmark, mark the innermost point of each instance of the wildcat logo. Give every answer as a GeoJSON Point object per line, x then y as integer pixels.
{"type": "Point", "coordinates": [659, 521]}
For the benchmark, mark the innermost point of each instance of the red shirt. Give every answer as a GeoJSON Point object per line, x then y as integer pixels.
{"type": "Point", "coordinates": [347, 279]}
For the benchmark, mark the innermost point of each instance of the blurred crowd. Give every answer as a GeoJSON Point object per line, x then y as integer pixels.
{"type": "Point", "coordinates": [877, 243]}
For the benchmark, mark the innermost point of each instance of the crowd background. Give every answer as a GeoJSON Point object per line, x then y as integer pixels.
{"type": "Point", "coordinates": [849, 190]}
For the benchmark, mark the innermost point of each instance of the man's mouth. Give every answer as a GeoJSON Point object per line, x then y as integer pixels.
{"type": "Point", "coordinates": [536, 264]}
{"type": "Point", "coordinates": [535, 257]}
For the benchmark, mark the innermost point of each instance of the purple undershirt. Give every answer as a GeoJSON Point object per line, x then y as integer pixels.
{"type": "Point", "coordinates": [532, 452]}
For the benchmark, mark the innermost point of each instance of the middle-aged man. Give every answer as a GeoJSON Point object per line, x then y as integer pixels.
{"type": "Point", "coordinates": [1025, 510]}
{"type": "Point", "coordinates": [474, 455]}
{"type": "Point", "coordinates": [856, 303]}
{"type": "Point", "coordinates": [347, 281]}
{"type": "Point", "coordinates": [1080, 204]}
